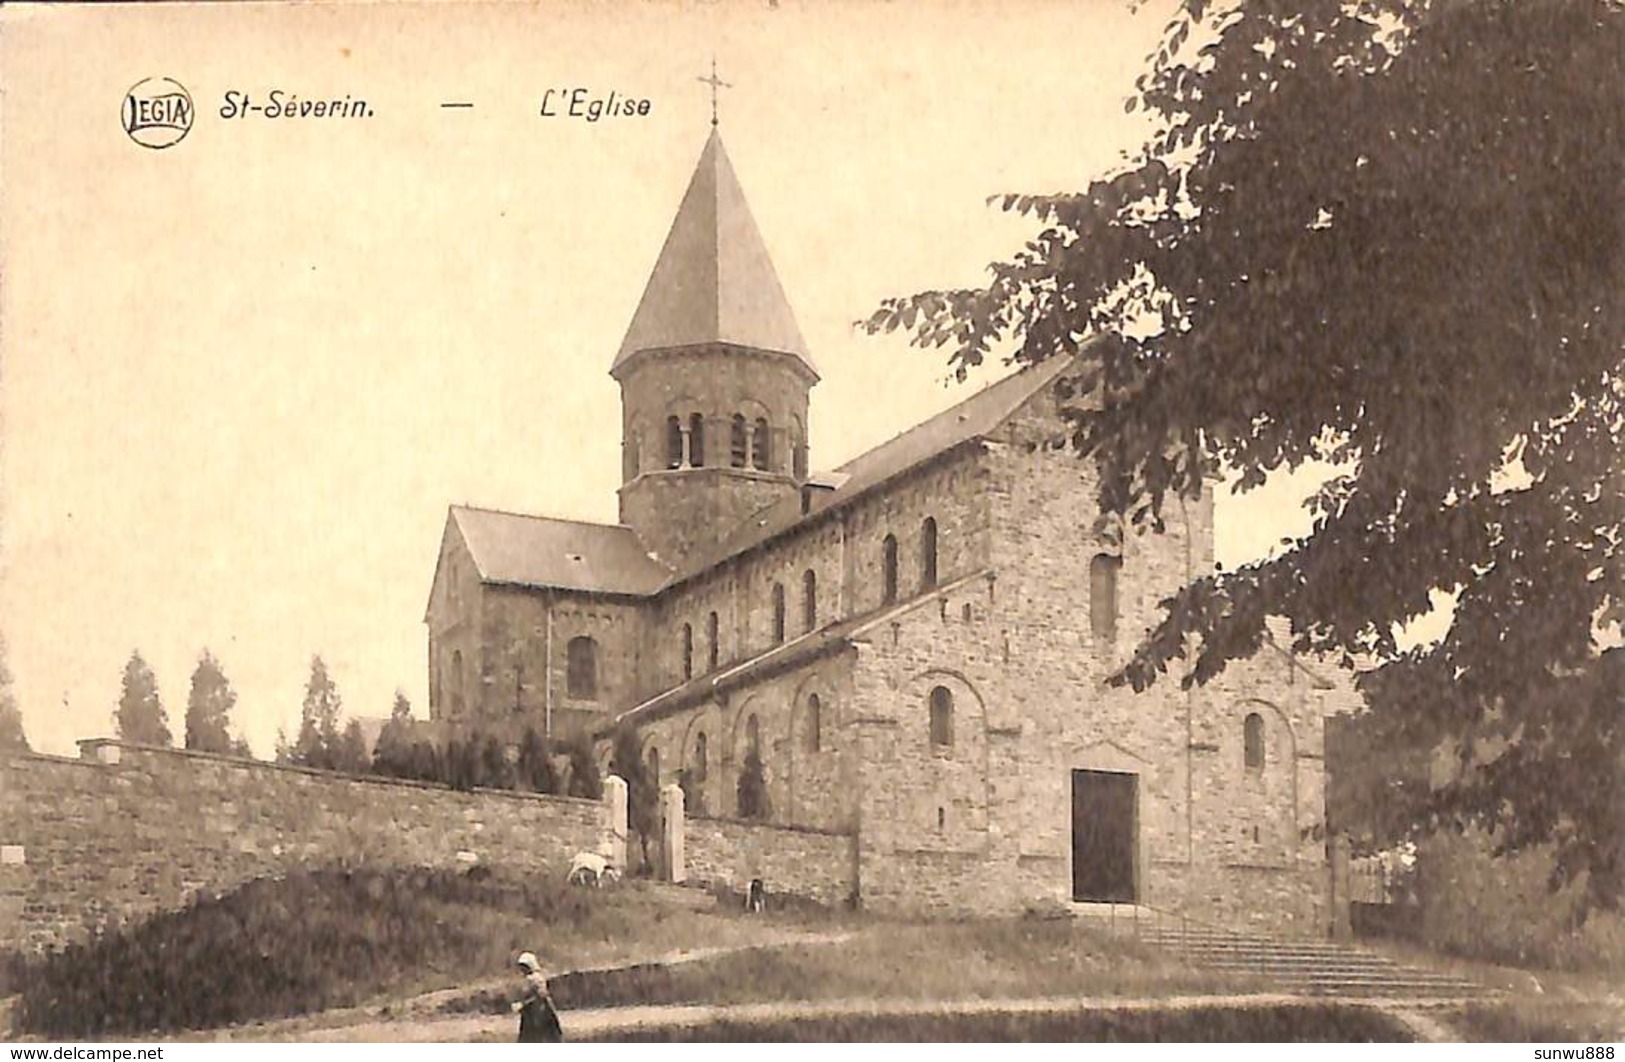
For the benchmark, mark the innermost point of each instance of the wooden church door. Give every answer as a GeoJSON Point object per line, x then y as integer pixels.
{"type": "Point", "coordinates": [1105, 810]}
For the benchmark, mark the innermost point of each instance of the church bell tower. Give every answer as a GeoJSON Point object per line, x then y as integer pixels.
{"type": "Point", "coordinates": [714, 377]}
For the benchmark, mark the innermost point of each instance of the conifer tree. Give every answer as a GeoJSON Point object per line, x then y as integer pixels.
{"type": "Point", "coordinates": [318, 742]}
{"type": "Point", "coordinates": [208, 708]}
{"type": "Point", "coordinates": [11, 717]}
{"type": "Point", "coordinates": [140, 717]}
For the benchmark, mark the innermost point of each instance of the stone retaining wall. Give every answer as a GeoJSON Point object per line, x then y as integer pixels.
{"type": "Point", "coordinates": [812, 864]}
{"type": "Point", "coordinates": [127, 831]}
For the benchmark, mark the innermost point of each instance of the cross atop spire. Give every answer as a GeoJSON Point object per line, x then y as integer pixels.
{"type": "Point", "coordinates": [715, 82]}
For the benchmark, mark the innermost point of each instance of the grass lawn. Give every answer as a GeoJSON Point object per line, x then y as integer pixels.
{"type": "Point", "coordinates": [880, 959]}
{"type": "Point", "coordinates": [311, 941]}
{"type": "Point", "coordinates": [1306, 1023]}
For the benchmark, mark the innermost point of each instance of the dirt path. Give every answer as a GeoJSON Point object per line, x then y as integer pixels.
{"type": "Point", "coordinates": [392, 1022]}
{"type": "Point", "coordinates": [599, 1021]}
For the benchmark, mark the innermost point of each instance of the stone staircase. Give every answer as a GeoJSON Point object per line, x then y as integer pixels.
{"type": "Point", "coordinates": [1298, 965]}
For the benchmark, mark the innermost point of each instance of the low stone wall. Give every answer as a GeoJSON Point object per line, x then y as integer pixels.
{"type": "Point", "coordinates": [812, 864]}
{"type": "Point", "coordinates": [127, 831]}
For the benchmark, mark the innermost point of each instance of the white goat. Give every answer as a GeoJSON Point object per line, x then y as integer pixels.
{"type": "Point", "coordinates": [591, 868]}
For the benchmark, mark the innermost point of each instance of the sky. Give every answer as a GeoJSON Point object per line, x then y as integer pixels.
{"type": "Point", "coordinates": [242, 377]}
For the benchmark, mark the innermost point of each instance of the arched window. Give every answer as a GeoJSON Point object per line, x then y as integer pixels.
{"type": "Point", "coordinates": [753, 736]}
{"type": "Point", "coordinates": [942, 716]}
{"type": "Point", "coordinates": [674, 442]}
{"type": "Point", "coordinates": [713, 650]}
{"type": "Point", "coordinates": [458, 682]}
{"type": "Point", "coordinates": [761, 455]}
{"type": "Point", "coordinates": [888, 578]}
{"type": "Point", "coordinates": [1252, 741]}
{"type": "Point", "coordinates": [696, 440]}
{"type": "Point", "coordinates": [1103, 595]}
{"type": "Point", "coordinates": [809, 599]}
{"type": "Point", "coordinates": [778, 613]}
{"type": "Point", "coordinates": [688, 651]}
{"type": "Point", "coordinates": [815, 723]}
{"type": "Point", "coordinates": [653, 762]}
{"type": "Point", "coordinates": [928, 553]}
{"type": "Point", "coordinates": [700, 756]}
{"type": "Point", "coordinates": [581, 669]}
{"type": "Point", "coordinates": [738, 442]}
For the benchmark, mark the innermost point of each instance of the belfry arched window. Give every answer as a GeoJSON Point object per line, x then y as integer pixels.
{"type": "Point", "coordinates": [688, 651]}
{"type": "Point", "coordinates": [809, 599]}
{"type": "Point", "coordinates": [888, 574]}
{"type": "Point", "coordinates": [674, 442]}
{"type": "Point", "coordinates": [713, 637]}
{"type": "Point", "coordinates": [942, 716]}
{"type": "Point", "coordinates": [928, 553]}
{"type": "Point", "coordinates": [778, 613]}
{"type": "Point", "coordinates": [1103, 595]}
{"type": "Point", "coordinates": [696, 440]}
{"type": "Point", "coordinates": [581, 669]}
{"type": "Point", "coordinates": [738, 441]}
{"type": "Point", "coordinates": [761, 450]}
{"type": "Point", "coordinates": [1252, 741]}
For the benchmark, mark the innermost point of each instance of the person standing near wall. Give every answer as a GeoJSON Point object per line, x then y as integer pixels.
{"type": "Point", "coordinates": [538, 1020]}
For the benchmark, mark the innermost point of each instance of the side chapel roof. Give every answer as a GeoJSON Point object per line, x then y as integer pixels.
{"type": "Point", "coordinates": [544, 551]}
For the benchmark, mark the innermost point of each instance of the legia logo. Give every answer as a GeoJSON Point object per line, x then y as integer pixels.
{"type": "Point", "coordinates": [158, 112]}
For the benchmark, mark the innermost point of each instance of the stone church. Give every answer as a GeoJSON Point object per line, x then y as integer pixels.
{"type": "Point", "coordinates": [915, 644]}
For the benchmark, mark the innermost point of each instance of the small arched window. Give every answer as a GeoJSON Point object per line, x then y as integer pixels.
{"type": "Point", "coordinates": [928, 553]}
{"type": "Point", "coordinates": [688, 651]}
{"type": "Point", "coordinates": [815, 723]}
{"type": "Point", "coordinates": [1252, 741]}
{"type": "Point", "coordinates": [942, 716]}
{"type": "Point", "coordinates": [700, 756]}
{"type": "Point", "coordinates": [1103, 595]}
{"type": "Point", "coordinates": [761, 451]}
{"type": "Point", "coordinates": [809, 599]}
{"type": "Point", "coordinates": [753, 736]}
{"type": "Point", "coordinates": [738, 441]}
{"type": "Point", "coordinates": [653, 763]}
{"type": "Point", "coordinates": [581, 669]}
{"type": "Point", "coordinates": [674, 442]}
{"type": "Point", "coordinates": [888, 576]}
{"type": "Point", "coordinates": [713, 636]}
{"type": "Point", "coordinates": [696, 440]}
{"type": "Point", "coordinates": [778, 613]}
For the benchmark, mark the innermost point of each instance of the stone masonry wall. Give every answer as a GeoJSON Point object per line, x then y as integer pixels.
{"type": "Point", "coordinates": [128, 831]}
{"type": "Point", "coordinates": [812, 864]}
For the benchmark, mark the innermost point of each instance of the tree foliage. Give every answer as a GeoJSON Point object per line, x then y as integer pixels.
{"type": "Point", "coordinates": [1382, 237]}
{"type": "Point", "coordinates": [533, 769]}
{"type": "Point", "coordinates": [586, 781]}
{"type": "Point", "coordinates": [208, 708]}
{"type": "Point", "coordinates": [11, 717]}
{"type": "Point", "coordinates": [392, 752]}
{"type": "Point", "coordinates": [317, 744]}
{"type": "Point", "coordinates": [642, 789]}
{"type": "Point", "coordinates": [141, 717]}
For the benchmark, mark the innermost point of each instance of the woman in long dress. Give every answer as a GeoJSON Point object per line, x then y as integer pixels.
{"type": "Point", "coordinates": [538, 1020]}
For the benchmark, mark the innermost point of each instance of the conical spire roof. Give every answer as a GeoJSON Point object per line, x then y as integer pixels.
{"type": "Point", "coordinates": [714, 281]}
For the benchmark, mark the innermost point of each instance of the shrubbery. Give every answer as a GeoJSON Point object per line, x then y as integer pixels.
{"type": "Point", "coordinates": [280, 946]}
